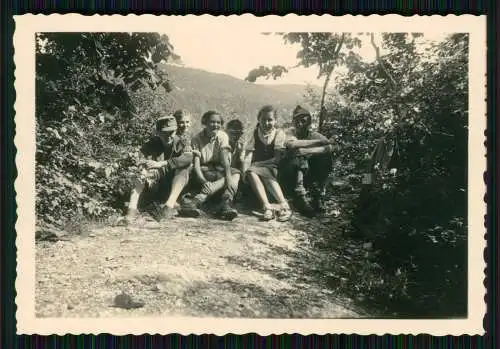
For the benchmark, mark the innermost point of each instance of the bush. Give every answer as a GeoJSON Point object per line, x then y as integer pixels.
{"type": "Point", "coordinates": [88, 129]}
{"type": "Point", "coordinates": [415, 211]}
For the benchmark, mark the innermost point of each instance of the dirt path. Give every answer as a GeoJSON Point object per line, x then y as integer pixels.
{"type": "Point", "coordinates": [189, 267]}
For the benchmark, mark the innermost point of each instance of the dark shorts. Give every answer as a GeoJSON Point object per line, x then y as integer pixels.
{"type": "Point", "coordinates": [214, 172]}
{"type": "Point", "coordinates": [315, 168]}
{"type": "Point", "coordinates": [159, 184]}
{"type": "Point", "coordinates": [266, 171]}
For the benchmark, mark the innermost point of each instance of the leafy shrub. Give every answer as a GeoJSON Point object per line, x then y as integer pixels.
{"type": "Point", "coordinates": [90, 122]}
{"type": "Point", "coordinates": [415, 211]}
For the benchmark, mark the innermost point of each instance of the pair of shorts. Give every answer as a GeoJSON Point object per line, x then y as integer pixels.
{"type": "Point", "coordinates": [216, 172]}
{"type": "Point", "coordinates": [266, 171]}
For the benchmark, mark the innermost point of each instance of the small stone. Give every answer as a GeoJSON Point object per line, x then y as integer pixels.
{"type": "Point", "coordinates": [91, 235]}
{"type": "Point", "coordinates": [69, 307]}
{"type": "Point", "coordinates": [126, 302]}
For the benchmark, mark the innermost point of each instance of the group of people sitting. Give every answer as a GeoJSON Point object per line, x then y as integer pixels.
{"type": "Point", "coordinates": [220, 162]}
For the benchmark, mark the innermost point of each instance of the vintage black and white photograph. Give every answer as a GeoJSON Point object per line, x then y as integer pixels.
{"type": "Point", "coordinates": [194, 170]}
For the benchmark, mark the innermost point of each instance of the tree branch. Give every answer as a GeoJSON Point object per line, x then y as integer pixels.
{"type": "Point", "coordinates": [379, 60]}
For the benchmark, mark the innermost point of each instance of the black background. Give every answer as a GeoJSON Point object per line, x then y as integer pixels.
{"type": "Point", "coordinates": [8, 216]}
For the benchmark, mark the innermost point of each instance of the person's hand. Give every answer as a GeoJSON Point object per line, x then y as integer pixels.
{"type": "Point", "coordinates": [196, 152]}
{"type": "Point", "coordinates": [206, 187]}
{"type": "Point", "coordinates": [331, 148]}
{"type": "Point", "coordinates": [151, 164]}
{"type": "Point", "coordinates": [300, 152]}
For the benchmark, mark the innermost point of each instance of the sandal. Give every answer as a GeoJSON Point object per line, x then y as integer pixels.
{"type": "Point", "coordinates": [284, 214]}
{"type": "Point", "coordinates": [268, 214]}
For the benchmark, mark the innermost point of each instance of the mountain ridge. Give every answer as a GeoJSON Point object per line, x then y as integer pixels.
{"type": "Point", "coordinates": [198, 91]}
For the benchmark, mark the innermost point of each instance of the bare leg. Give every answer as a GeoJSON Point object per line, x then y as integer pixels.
{"type": "Point", "coordinates": [134, 196]}
{"type": "Point", "coordinates": [217, 185]}
{"type": "Point", "coordinates": [275, 189]}
{"type": "Point", "coordinates": [258, 188]}
{"type": "Point", "coordinates": [299, 184]}
{"type": "Point", "coordinates": [233, 185]}
{"type": "Point", "coordinates": [180, 180]}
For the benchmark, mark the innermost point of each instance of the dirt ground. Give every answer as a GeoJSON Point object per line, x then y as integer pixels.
{"type": "Point", "coordinates": [188, 267]}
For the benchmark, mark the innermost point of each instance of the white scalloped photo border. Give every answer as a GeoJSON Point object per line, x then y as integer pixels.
{"type": "Point", "coordinates": [24, 57]}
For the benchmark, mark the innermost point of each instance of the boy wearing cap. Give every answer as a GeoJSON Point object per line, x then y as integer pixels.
{"type": "Point", "coordinates": [167, 163]}
{"type": "Point", "coordinates": [307, 163]}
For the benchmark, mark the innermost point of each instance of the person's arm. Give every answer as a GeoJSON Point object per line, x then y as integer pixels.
{"type": "Point", "coordinates": [315, 150]}
{"type": "Point", "coordinates": [226, 164]}
{"type": "Point", "coordinates": [181, 161]}
{"type": "Point", "coordinates": [146, 157]}
{"type": "Point", "coordinates": [305, 143]}
{"type": "Point", "coordinates": [225, 154]}
{"type": "Point", "coordinates": [246, 161]}
{"type": "Point", "coordinates": [197, 170]}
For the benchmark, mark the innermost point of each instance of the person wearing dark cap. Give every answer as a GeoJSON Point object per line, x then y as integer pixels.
{"type": "Point", "coordinates": [307, 162]}
{"type": "Point", "coordinates": [166, 165]}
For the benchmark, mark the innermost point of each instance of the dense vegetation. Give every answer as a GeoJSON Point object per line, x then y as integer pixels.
{"type": "Point", "coordinates": [402, 118]}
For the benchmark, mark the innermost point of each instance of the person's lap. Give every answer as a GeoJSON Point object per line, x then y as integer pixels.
{"type": "Point", "coordinates": [158, 192]}
{"type": "Point", "coordinates": [315, 170]}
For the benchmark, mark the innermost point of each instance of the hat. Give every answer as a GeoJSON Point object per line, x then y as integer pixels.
{"type": "Point", "coordinates": [298, 111]}
{"type": "Point", "coordinates": [166, 123]}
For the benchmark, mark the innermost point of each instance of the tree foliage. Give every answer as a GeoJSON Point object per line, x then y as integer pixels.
{"type": "Point", "coordinates": [324, 50]}
{"type": "Point", "coordinates": [89, 119]}
{"type": "Point", "coordinates": [403, 118]}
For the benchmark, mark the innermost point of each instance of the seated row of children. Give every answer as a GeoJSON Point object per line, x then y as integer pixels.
{"type": "Point", "coordinates": [217, 162]}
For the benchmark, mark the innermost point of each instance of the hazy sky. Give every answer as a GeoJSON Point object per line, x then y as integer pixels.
{"type": "Point", "coordinates": [236, 53]}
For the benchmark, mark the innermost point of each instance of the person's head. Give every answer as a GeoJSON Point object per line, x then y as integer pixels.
{"type": "Point", "coordinates": [166, 126]}
{"type": "Point", "coordinates": [267, 118]}
{"type": "Point", "coordinates": [302, 119]}
{"type": "Point", "coordinates": [183, 119]}
{"type": "Point", "coordinates": [234, 129]}
{"type": "Point", "coordinates": [212, 121]}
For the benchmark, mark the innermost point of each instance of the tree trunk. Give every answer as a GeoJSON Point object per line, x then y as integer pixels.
{"type": "Point", "coordinates": [322, 113]}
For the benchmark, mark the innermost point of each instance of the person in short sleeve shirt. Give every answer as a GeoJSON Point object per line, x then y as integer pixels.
{"type": "Point", "coordinates": [212, 168]}
{"type": "Point", "coordinates": [307, 163]}
{"type": "Point", "coordinates": [262, 155]}
{"type": "Point", "coordinates": [166, 164]}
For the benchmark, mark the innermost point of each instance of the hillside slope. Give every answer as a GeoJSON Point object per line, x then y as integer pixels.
{"type": "Point", "coordinates": [198, 91]}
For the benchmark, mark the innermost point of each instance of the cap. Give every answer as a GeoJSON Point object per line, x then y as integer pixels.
{"type": "Point", "coordinates": [298, 111]}
{"type": "Point", "coordinates": [166, 123]}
